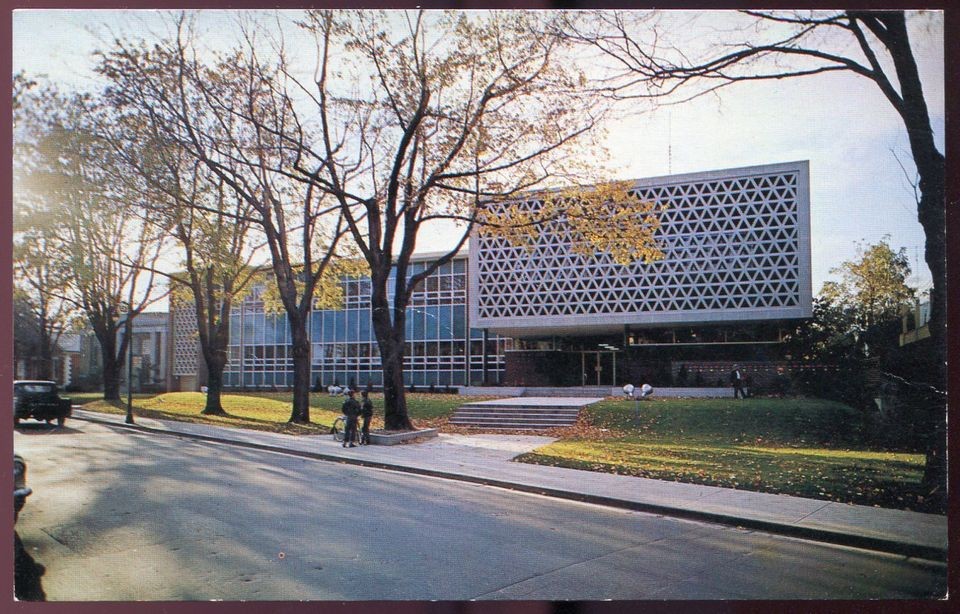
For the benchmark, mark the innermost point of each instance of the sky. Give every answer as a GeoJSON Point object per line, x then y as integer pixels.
{"type": "Point", "coordinates": [841, 123]}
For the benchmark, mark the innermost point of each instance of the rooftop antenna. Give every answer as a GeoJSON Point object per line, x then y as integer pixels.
{"type": "Point", "coordinates": [669, 142]}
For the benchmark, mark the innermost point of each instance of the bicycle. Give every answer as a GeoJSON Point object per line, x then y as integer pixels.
{"type": "Point", "coordinates": [338, 428]}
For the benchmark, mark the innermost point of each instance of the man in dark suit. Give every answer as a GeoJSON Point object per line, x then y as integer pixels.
{"type": "Point", "coordinates": [736, 380]}
{"type": "Point", "coordinates": [366, 410]}
{"type": "Point", "coordinates": [351, 409]}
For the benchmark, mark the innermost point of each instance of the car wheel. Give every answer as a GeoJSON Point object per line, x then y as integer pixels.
{"type": "Point", "coordinates": [61, 420]}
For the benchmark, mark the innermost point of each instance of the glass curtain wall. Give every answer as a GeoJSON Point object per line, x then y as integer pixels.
{"type": "Point", "coordinates": [441, 349]}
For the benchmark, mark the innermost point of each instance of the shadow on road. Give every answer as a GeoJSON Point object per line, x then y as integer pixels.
{"type": "Point", "coordinates": [42, 428]}
{"type": "Point", "coordinates": [26, 576]}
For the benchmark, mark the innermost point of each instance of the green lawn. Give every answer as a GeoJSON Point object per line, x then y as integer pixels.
{"type": "Point", "coordinates": [804, 447]}
{"type": "Point", "coordinates": [420, 406]}
{"type": "Point", "coordinates": [79, 398]}
{"type": "Point", "coordinates": [270, 411]}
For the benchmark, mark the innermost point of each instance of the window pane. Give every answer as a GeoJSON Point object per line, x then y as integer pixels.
{"type": "Point", "coordinates": [459, 321]}
{"type": "Point", "coordinates": [418, 325]}
{"type": "Point", "coordinates": [328, 326]}
{"type": "Point", "coordinates": [364, 317]}
{"type": "Point", "coordinates": [340, 317]}
{"type": "Point", "coordinates": [446, 322]}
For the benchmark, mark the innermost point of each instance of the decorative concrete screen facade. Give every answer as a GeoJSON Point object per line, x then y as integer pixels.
{"type": "Point", "coordinates": [186, 341]}
{"type": "Point", "coordinates": [736, 245]}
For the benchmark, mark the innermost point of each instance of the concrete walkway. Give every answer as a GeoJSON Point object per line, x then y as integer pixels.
{"type": "Point", "coordinates": [487, 459]}
{"type": "Point", "coordinates": [571, 402]}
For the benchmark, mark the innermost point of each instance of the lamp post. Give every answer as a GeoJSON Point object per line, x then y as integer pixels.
{"type": "Point", "coordinates": [129, 418]}
{"type": "Point", "coordinates": [128, 334]}
{"type": "Point", "coordinates": [636, 394]}
{"type": "Point", "coordinates": [630, 391]}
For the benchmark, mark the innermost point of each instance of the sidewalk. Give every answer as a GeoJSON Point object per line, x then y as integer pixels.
{"type": "Point", "coordinates": [486, 459]}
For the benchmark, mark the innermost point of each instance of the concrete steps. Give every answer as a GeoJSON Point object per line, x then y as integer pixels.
{"type": "Point", "coordinates": [519, 413]}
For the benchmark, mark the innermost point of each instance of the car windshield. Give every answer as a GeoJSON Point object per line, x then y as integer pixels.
{"type": "Point", "coordinates": [35, 388]}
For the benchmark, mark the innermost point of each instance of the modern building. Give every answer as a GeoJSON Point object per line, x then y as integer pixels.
{"type": "Point", "coordinates": [735, 273]}
{"type": "Point", "coordinates": [734, 276]}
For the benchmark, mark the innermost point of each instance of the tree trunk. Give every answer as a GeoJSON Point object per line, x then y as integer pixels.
{"type": "Point", "coordinates": [113, 359]}
{"type": "Point", "coordinates": [931, 212]}
{"type": "Point", "coordinates": [390, 340]}
{"type": "Point", "coordinates": [111, 378]}
{"type": "Point", "coordinates": [301, 370]}
{"type": "Point", "coordinates": [215, 366]}
{"type": "Point", "coordinates": [395, 417]}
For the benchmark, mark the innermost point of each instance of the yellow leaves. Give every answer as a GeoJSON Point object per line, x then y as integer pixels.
{"type": "Point", "coordinates": [328, 292]}
{"type": "Point", "coordinates": [518, 226]}
{"type": "Point", "coordinates": [606, 219]}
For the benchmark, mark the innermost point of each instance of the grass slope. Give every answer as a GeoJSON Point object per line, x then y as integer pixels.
{"type": "Point", "coordinates": [804, 447]}
{"type": "Point", "coordinates": [270, 411]}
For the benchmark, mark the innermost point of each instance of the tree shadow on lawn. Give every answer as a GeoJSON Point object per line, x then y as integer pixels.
{"type": "Point", "coordinates": [232, 420]}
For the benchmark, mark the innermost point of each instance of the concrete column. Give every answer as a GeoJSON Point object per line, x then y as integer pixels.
{"type": "Point", "coordinates": [486, 338]}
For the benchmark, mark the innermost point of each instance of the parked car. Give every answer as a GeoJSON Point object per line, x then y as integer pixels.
{"type": "Point", "coordinates": [38, 399]}
{"type": "Point", "coordinates": [20, 489]}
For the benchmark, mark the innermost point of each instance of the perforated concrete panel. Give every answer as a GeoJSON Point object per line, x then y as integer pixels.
{"type": "Point", "coordinates": [186, 343]}
{"type": "Point", "coordinates": [736, 245]}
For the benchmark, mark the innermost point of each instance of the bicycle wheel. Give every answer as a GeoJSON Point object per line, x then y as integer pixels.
{"type": "Point", "coordinates": [337, 429]}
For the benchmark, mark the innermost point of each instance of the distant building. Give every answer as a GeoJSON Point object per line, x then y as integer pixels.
{"type": "Point", "coordinates": [149, 351]}
{"type": "Point", "coordinates": [66, 365]}
{"type": "Point", "coordinates": [915, 323]}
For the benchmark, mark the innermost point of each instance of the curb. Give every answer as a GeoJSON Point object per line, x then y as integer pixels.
{"type": "Point", "coordinates": [790, 530]}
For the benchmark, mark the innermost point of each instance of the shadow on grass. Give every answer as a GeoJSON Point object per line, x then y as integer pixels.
{"type": "Point", "coordinates": [226, 419]}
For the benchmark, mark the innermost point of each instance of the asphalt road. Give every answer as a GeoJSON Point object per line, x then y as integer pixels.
{"type": "Point", "coordinates": [120, 515]}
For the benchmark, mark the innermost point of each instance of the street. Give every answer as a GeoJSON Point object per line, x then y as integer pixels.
{"type": "Point", "coordinates": [124, 515]}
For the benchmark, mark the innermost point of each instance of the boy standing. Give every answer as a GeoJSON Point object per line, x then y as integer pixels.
{"type": "Point", "coordinates": [366, 410]}
{"type": "Point", "coordinates": [351, 409]}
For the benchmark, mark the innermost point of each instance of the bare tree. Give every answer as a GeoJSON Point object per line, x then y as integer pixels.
{"type": "Point", "coordinates": [39, 277]}
{"type": "Point", "coordinates": [780, 45]}
{"type": "Point", "coordinates": [102, 248]}
{"type": "Point", "coordinates": [233, 116]}
{"type": "Point", "coordinates": [423, 116]}
{"type": "Point", "coordinates": [772, 46]}
{"type": "Point", "coordinates": [210, 226]}
{"type": "Point", "coordinates": [39, 283]}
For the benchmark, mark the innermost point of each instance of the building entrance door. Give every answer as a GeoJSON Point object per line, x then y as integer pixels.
{"type": "Point", "coordinates": [599, 368]}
